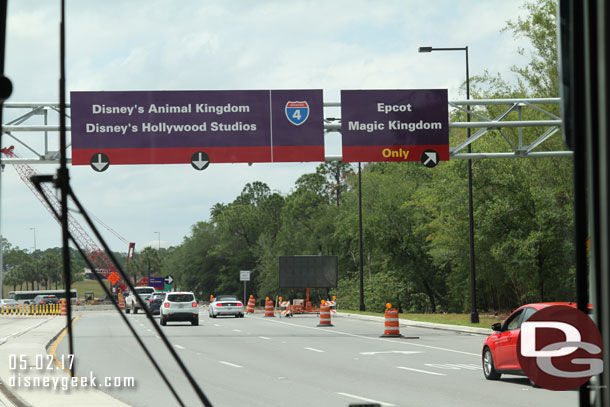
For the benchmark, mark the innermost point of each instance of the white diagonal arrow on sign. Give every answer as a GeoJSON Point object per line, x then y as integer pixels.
{"type": "Point", "coordinates": [100, 165]}
{"type": "Point", "coordinates": [431, 157]}
{"type": "Point", "coordinates": [200, 162]}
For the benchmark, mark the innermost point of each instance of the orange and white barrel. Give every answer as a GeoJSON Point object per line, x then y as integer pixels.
{"type": "Point", "coordinates": [269, 308]}
{"type": "Point", "coordinates": [325, 315]}
{"type": "Point", "coordinates": [392, 329]}
{"type": "Point", "coordinates": [251, 305]}
{"type": "Point", "coordinates": [64, 308]}
{"type": "Point", "coordinates": [121, 303]}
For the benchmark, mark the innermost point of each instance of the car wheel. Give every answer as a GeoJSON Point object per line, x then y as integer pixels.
{"type": "Point", "coordinates": [195, 321]}
{"type": "Point", "coordinates": [135, 310]}
{"type": "Point", "coordinates": [236, 315]}
{"type": "Point", "coordinates": [127, 310]}
{"type": "Point", "coordinates": [489, 369]}
{"type": "Point", "coordinates": [162, 321]}
{"type": "Point", "coordinates": [241, 315]}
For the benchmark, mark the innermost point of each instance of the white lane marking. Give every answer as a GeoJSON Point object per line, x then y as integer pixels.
{"type": "Point", "coordinates": [237, 330]}
{"type": "Point", "coordinates": [404, 352]}
{"type": "Point", "coordinates": [216, 325]}
{"type": "Point", "coordinates": [5, 338]}
{"type": "Point", "coordinates": [372, 338]}
{"type": "Point", "coordinates": [421, 371]}
{"type": "Point", "coordinates": [228, 363]}
{"type": "Point", "coordinates": [158, 337]}
{"type": "Point", "coordinates": [365, 399]}
{"type": "Point", "coordinates": [315, 350]}
{"type": "Point", "coordinates": [454, 366]}
{"type": "Point", "coordinates": [264, 337]}
{"type": "Point", "coordinates": [179, 347]}
{"type": "Point", "coordinates": [149, 330]}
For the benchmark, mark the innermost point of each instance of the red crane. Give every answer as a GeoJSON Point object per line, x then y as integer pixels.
{"type": "Point", "coordinates": [97, 256]}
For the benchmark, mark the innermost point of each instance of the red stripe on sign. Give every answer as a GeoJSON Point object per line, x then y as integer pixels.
{"type": "Point", "coordinates": [296, 104]}
{"type": "Point", "coordinates": [176, 155]}
{"type": "Point", "coordinates": [298, 153]}
{"type": "Point", "coordinates": [392, 153]}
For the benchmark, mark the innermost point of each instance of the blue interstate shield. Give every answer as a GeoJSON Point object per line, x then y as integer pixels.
{"type": "Point", "coordinates": [297, 112]}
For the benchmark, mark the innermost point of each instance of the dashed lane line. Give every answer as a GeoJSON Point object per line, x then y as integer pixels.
{"type": "Point", "coordinates": [264, 337]}
{"type": "Point", "coordinates": [315, 350]}
{"type": "Point", "coordinates": [229, 363]}
{"type": "Point", "coordinates": [365, 399]}
{"type": "Point", "coordinates": [372, 338]}
{"type": "Point", "coordinates": [179, 347]}
{"type": "Point", "coordinates": [420, 371]}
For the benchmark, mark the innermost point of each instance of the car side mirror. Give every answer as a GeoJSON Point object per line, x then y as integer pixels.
{"type": "Point", "coordinates": [496, 327]}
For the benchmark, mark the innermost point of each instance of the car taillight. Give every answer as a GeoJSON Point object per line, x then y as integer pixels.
{"type": "Point", "coordinates": [166, 305]}
{"type": "Point", "coordinates": [239, 304]}
{"type": "Point", "coordinates": [194, 304]}
{"type": "Point", "coordinates": [151, 301]}
{"type": "Point", "coordinates": [219, 305]}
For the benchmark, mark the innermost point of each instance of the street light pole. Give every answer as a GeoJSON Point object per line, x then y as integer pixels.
{"type": "Point", "coordinates": [360, 262]}
{"type": "Point", "coordinates": [34, 229]}
{"type": "Point", "coordinates": [158, 255]}
{"type": "Point", "coordinates": [474, 315]}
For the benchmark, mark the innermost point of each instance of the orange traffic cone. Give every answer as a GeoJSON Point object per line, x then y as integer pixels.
{"type": "Point", "coordinates": [391, 323]}
{"type": "Point", "coordinates": [251, 304]}
{"type": "Point", "coordinates": [269, 308]}
{"type": "Point", "coordinates": [324, 314]}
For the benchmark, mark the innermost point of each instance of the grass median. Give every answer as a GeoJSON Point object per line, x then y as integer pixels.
{"type": "Point", "coordinates": [485, 320]}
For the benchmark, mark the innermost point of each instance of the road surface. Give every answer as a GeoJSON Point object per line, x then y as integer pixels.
{"type": "Point", "coordinates": [257, 361]}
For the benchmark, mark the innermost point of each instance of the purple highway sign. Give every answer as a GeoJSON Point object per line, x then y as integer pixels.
{"type": "Point", "coordinates": [168, 127]}
{"type": "Point", "coordinates": [394, 125]}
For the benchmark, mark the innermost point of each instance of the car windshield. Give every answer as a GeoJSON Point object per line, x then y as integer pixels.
{"type": "Point", "coordinates": [376, 182]}
{"type": "Point", "coordinates": [180, 297]}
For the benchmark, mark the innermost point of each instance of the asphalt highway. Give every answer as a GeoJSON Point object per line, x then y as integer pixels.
{"type": "Point", "coordinates": [257, 361]}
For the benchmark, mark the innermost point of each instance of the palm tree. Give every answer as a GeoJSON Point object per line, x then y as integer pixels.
{"type": "Point", "coordinates": [149, 259]}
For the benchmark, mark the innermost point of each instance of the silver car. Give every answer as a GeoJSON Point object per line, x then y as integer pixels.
{"type": "Point", "coordinates": [8, 304]}
{"type": "Point", "coordinates": [226, 305]}
{"type": "Point", "coordinates": [179, 306]}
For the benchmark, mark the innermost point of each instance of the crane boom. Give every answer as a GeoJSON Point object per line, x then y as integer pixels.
{"type": "Point", "coordinates": [97, 256]}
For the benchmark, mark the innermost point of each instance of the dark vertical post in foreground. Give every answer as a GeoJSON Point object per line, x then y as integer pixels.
{"type": "Point", "coordinates": [63, 177]}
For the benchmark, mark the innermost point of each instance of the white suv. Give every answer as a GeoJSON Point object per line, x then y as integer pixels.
{"type": "Point", "coordinates": [179, 306]}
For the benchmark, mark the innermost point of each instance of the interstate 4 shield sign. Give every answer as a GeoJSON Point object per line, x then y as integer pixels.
{"type": "Point", "coordinates": [297, 112]}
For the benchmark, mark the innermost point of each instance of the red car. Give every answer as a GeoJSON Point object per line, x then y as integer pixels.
{"type": "Point", "coordinates": [500, 349]}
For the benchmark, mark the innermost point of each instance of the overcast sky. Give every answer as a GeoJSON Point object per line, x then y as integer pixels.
{"type": "Point", "coordinates": [224, 45]}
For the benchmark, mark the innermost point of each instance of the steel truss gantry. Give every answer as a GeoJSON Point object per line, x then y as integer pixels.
{"type": "Point", "coordinates": [36, 145]}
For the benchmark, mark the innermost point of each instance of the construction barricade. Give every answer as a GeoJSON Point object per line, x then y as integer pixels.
{"type": "Point", "coordinates": [26, 310]}
{"type": "Point", "coordinates": [251, 305]}
{"type": "Point", "coordinates": [391, 329]}
{"type": "Point", "coordinates": [325, 314]}
{"type": "Point", "coordinates": [285, 308]}
{"type": "Point", "coordinates": [269, 308]}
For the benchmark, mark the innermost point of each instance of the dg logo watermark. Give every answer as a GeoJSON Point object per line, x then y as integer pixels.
{"type": "Point", "coordinates": [560, 348]}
